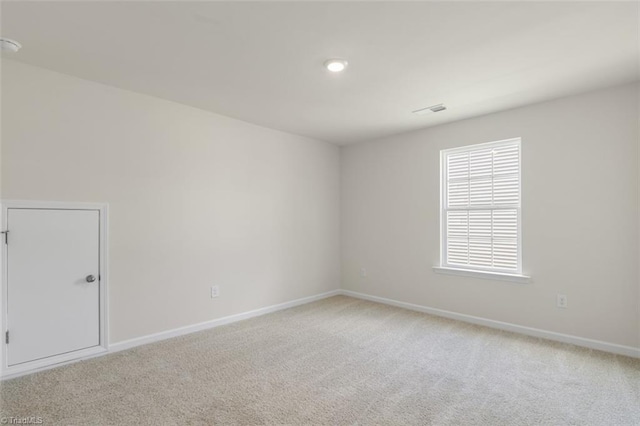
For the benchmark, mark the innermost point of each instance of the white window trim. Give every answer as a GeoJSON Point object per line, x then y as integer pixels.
{"type": "Point", "coordinates": [479, 272]}
{"type": "Point", "coordinates": [517, 278]}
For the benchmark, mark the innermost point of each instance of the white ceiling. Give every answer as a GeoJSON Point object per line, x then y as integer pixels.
{"type": "Point", "coordinates": [262, 61]}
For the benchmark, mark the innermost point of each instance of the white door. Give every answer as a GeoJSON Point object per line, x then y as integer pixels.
{"type": "Point", "coordinates": [53, 293]}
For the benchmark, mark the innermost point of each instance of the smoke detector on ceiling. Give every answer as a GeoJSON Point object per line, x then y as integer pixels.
{"type": "Point", "coordinates": [8, 45]}
{"type": "Point", "coordinates": [432, 108]}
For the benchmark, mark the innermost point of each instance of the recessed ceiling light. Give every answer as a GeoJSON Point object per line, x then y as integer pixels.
{"type": "Point", "coordinates": [8, 45]}
{"type": "Point", "coordinates": [432, 108]}
{"type": "Point", "coordinates": [335, 65]}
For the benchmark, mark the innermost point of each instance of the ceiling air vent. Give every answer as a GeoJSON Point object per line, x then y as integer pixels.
{"type": "Point", "coordinates": [432, 108]}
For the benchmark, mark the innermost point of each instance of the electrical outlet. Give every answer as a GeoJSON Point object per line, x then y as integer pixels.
{"type": "Point", "coordinates": [561, 301]}
{"type": "Point", "coordinates": [215, 291]}
{"type": "Point", "coordinates": [363, 272]}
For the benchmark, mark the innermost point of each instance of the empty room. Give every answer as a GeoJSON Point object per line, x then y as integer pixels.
{"type": "Point", "coordinates": [320, 213]}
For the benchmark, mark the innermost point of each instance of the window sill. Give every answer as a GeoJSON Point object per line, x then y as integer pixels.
{"type": "Point", "coordinates": [523, 279]}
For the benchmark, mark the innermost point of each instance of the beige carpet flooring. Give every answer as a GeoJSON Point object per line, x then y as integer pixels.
{"type": "Point", "coordinates": [339, 361]}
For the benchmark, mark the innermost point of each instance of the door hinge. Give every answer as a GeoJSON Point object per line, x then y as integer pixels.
{"type": "Point", "coordinates": [6, 236]}
{"type": "Point", "coordinates": [6, 337]}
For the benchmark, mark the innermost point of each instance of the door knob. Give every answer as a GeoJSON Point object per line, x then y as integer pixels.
{"type": "Point", "coordinates": [90, 278]}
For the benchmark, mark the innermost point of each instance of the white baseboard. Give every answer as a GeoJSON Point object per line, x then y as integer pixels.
{"type": "Point", "coordinates": [529, 331]}
{"type": "Point", "coordinates": [143, 340]}
{"type": "Point", "coordinates": [131, 343]}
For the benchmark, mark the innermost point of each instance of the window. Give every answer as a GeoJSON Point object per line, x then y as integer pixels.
{"type": "Point", "coordinates": [480, 208]}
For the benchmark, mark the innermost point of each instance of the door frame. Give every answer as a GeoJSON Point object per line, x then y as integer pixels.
{"type": "Point", "coordinates": [53, 361]}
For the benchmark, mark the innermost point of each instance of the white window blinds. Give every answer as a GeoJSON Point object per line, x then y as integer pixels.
{"type": "Point", "coordinates": [481, 207]}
